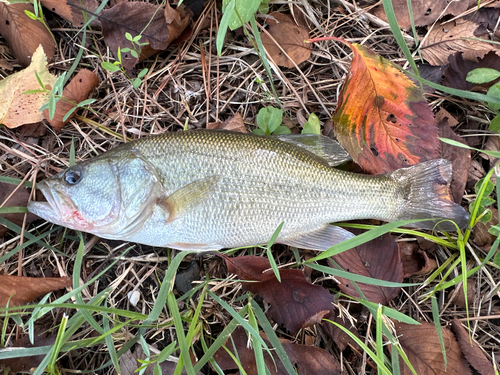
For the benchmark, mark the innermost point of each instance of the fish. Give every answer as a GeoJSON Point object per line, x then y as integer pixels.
{"type": "Point", "coordinates": [206, 190]}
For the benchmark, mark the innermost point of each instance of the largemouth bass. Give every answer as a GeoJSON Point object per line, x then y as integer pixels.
{"type": "Point", "coordinates": [207, 190]}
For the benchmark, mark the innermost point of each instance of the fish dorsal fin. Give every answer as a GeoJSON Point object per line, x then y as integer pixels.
{"type": "Point", "coordinates": [321, 239]}
{"type": "Point", "coordinates": [188, 197]}
{"type": "Point", "coordinates": [324, 147]}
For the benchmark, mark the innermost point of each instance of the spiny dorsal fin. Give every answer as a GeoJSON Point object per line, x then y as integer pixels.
{"type": "Point", "coordinates": [324, 147]}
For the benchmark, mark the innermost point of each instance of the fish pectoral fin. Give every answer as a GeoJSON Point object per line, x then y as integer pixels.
{"type": "Point", "coordinates": [320, 145]}
{"type": "Point", "coordinates": [187, 197]}
{"type": "Point", "coordinates": [321, 239]}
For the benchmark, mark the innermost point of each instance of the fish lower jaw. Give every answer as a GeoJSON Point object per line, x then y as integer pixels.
{"type": "Point", "coordinates": [67, 217]}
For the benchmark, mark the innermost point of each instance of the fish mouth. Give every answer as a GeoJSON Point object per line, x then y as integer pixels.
{"type": "Point", "coordinates": [49, 210]}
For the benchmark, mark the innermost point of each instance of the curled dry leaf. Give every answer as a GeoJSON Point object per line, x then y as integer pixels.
{"type": "Point", "coordinates": [291, 38]}
{"type": "Point", "coordinates": [447, 38]}
{"type": "Point", "coordinates": [18, 199]}
{"type": "Point", "coordinates": [23, 34]}
{"type": "Point", "coordinates": [77, 90]}
{"type": "Point", "coordinates": [158, 27]}
{"type": "Point", "coordinates": [460, 159]}
{"type": "Point", "coordinates": [17, 108]}
{"type": "Point", "coordinates": [72, 10]}
{"type": "Point", "coordinates": [378, 259]}
{"type": "Point", "coordinates": [382, 118]}
{"type": "Point", "coordinates": [308, 360]}
{"type": "Point", "coordinates": [472, 352]}
{"type": "Point", "coordinates": [294, 301]}
{"type": "Point", "coordinates": [234, 123]}
{"type": "Point", "coordinates": [425, 12]}
{"type": "Point", "coordinates": [17, 290]}
{"type": "Point", "coordinates": [421, 345]}
{"type": "Point", "coordinates": [415, 261]}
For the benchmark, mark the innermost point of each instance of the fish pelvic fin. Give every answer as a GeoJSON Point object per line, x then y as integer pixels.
{"type": "Point", "coordinates": [188, 197]}
{"type": "Point", "coordinates": [425, 187]}
{"type": "Point", "coordinates": [321, 239]}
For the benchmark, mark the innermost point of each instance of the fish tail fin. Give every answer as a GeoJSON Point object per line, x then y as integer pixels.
{"type": "Point", "coordinates": [425, 187]}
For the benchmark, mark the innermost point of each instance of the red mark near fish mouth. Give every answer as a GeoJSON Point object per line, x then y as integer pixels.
{"type": "Point", "coordinates": [79, 221]}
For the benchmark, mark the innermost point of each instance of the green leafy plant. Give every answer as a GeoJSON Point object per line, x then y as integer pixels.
{"type": "Point", "coordinates": [56, 94]}
{"type": "Point", "coordinates": [486, 75]}
{"type": "Point", "coordinates": [312, 126]}
{"type": "Point", "coordinates": [134, 51]}
{"type": "Point", "coordinates": [269, 121]}
{"type": "Point", "coordinates": [484, 215]}
{"type": "Point", "coordinates": [236, 13]}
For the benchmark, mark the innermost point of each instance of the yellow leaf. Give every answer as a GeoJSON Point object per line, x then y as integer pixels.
{"type": "Point", "coordinates": [16, 108]}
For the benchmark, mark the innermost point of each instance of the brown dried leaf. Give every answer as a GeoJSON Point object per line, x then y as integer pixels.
{"type": "Point", "coordinates": [140, 18]}
{"type": "Point", "coordinates": [415, 261]}
{"type": "Point", "coordinates": [178, 20]}
{"type": "Point", "coordinates": [421, 345]}
{"type": "Point", "coordinates": [483, 238]}
{"type": "Point", "coordinates": [378, 259]}
{"type": "Point", "coordinates": [291, 38]}
{"type": "Point", "coordinates": [487, 19]}
{"type": "Point", "coordinates": [24, 364]}
{"type": "Point", "coordinates": [471, 350]}
{"type": "Point", "coordinates": [72, 11]}
{"type": "Point", "coordinates": [16, 108]}
{"type": "Point", "coordinates": [18, 290]}
{"type": "Point", "coordinates": [20, 198]}
{"type": "Point", "coordinates": [308, 360]}
{"type": "Point", "coordinates": [425, 12]}
{"type": "Point", "coordinates": [338, 336]}
{"type": "Point", "coordinates": [447, 38]}
{"type": "Point", "coordinates": [23, 34]}
{"type": "Point", "coordinates": [460, 159]}
{"type": "Point", "coordinates": [458, 67]}
{"type": "Point", "coordinates": [457, 297]}
{"type": "Point", "coordinates": [234, 123]}
{"type": "Point", "coordinates": [294, 301]}
{"type": "Point", "coordinates": [77, 90]}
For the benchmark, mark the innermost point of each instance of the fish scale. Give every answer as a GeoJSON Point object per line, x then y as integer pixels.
{"type": "Point", "coordinates": [206, 190]}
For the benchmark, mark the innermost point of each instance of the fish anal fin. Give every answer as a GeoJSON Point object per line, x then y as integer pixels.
{"type": "Point", "coordinates": [195, 246]}
{"type": "Point", "coordinates": [324, 147]}
{"type": "Point", "coordinates": [188, 197]}
{"type": "Point", "coordinates": [321, 239]}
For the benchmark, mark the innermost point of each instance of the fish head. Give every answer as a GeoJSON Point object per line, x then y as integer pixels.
{"type": "Point", "coordinates": [83, 197]}
{"type": "Point", "coordinates": [106, 196]}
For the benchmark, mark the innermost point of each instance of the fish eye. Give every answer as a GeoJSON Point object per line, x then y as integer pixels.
{"type": "Point", "coordinates": [73, 175]}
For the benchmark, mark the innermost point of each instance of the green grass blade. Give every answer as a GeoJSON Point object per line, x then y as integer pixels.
{"type": "Point", "coordinates": [273, 338]}
{"type": "Point", "coordinates": [166, 287]}
{"type": "Point", "coordinates": [179, 329]}
{"type": "Point", "coordinates": [435, 317]}
{"type": "Point", "coordinates": [240, 320]}
{"type": "Point", "coordinates": [360, 239]}
{"type": "Point", "coordinates": [358, 278]}
{"type": "Point", "coordinates": [257, 348]}
{"type": "Point", "coordinates": [217, 344]}
{"type": "Point", "coordinates": [13, 210]}
{"type": "Point", "coordinates": [372, 355]}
